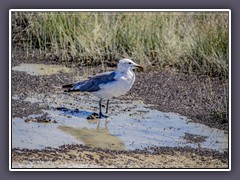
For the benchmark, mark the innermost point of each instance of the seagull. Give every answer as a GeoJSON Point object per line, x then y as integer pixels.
{"type": "Point", "coordinates": [109, 84]}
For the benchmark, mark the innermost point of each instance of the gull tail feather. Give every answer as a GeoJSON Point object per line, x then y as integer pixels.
{"type": "Point", "coordinates": [67, 86]}
{"type": "Point", "coordinates": [73, 87]}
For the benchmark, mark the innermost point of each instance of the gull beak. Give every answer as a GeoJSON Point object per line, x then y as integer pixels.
{"type": "Point", "coordinates": [139, 67]}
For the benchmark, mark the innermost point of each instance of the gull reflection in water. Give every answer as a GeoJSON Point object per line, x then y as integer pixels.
{"type": "Point", "coordinates": [99, 137]}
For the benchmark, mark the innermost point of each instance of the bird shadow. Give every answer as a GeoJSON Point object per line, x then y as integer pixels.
{"type": "Point", "coordinates": [74, 112]}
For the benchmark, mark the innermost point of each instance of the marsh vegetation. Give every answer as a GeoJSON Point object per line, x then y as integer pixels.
{"type": "Point", "coordinates": [186, 41]}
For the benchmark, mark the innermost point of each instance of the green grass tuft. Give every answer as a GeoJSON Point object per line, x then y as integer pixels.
{"type": "Point", "coordinates": [186, 41]}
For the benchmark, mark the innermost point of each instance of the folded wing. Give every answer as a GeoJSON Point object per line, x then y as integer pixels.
{"type": "Point", "coordinates": [92, 84]}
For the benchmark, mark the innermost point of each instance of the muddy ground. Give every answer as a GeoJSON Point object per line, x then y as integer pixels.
{"type": "Point", "coordinates": [79, 156]}
{"type": "Point", "coordinates": [201, 98]}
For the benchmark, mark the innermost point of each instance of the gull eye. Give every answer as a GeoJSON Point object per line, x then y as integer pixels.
{"type": "Point", "coordinates": [129, 63]}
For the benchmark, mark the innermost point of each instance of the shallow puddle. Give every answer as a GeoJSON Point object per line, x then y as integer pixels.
{"type": "Point", "coordinates": [131, 125]}
{"type": "Point", "coordinates": [40, 69]}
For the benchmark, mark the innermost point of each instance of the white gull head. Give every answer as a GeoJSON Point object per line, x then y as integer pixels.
{"type": "Point", "coordinates": [127, 64]}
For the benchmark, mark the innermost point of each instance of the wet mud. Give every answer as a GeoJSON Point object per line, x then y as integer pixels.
{"type": "Point", "coordinates": [80, 156]}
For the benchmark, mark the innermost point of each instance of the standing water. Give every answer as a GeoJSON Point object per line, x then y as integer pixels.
{"type": "Point", "coordinates": [131, 124]}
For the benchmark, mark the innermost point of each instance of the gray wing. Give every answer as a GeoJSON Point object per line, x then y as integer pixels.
{"type": "Point", "coordinates": [93, 83]}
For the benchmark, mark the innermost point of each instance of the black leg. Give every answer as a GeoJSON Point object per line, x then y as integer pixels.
{"type": "Point", "coordinates": [100, 110]}
{"type": "Point", "coordinates": [107, 106]}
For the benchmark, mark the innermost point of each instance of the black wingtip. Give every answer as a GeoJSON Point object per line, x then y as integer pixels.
{"type": "Point", "coordinates": [71, 90]}
{"type": "Point", "coordinates": [67, 86]}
